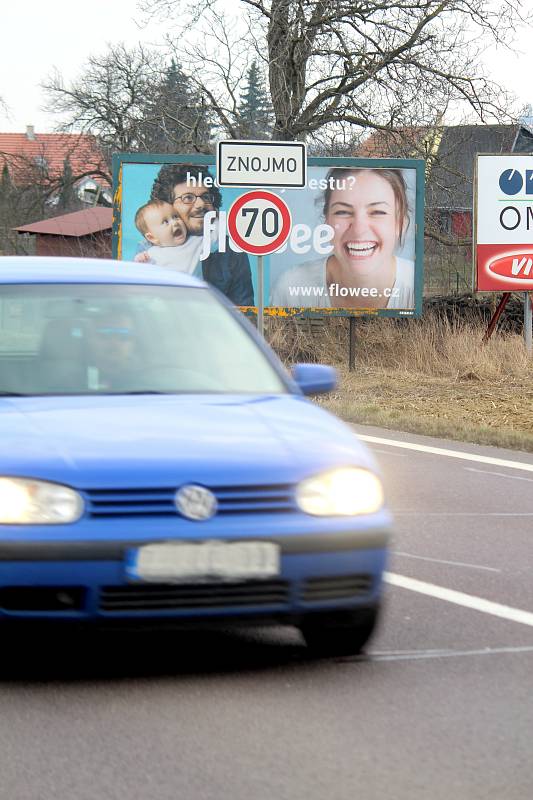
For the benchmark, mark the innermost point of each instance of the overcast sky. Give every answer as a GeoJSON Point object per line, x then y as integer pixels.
{"type": "Point", "coordinates": [38, 36]}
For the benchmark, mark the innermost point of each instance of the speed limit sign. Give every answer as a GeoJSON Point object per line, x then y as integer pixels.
{"type": "Point", "coordinates": [259, 222]}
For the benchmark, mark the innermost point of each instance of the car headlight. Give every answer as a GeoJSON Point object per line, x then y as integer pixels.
{"type": "Point", "coordinates": [24, 501]}
{"type": "Point", "coordinates": [347, 491]}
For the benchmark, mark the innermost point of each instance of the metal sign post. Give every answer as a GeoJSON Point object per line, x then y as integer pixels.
{"type": "Point", "coordinates": [259, 223]}
{"type": "Point", "coordinates": [260, 296]}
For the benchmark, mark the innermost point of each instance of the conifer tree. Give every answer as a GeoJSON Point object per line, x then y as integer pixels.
{"type": "Point", "coordinates": [67, 198]}
{"type": "Point", "coordinates": [5, 180]}
{"type": "Point", "coordinates": [175, 117]}
{"type": "Point", "coordinates": [254, 114]}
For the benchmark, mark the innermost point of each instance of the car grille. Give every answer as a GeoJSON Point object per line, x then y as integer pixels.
{"type": "Point", "coordinates": [335, 587]}
{"type": "Point", "coordinates": [160, 502]}
{"type": "Point", "coordinates": [158, 597]}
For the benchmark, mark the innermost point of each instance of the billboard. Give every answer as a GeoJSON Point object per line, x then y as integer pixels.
{"type": "Point", "coordinates": [503, 223]}
{"type": "Point", "coordinates": [355, 246]}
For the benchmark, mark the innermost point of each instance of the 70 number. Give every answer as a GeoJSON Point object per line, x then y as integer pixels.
{"type": "Point", "coordinates": [269, 221]}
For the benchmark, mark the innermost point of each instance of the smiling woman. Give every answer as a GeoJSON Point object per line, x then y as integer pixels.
{"type": "Point", "coordinates": [369, 214]}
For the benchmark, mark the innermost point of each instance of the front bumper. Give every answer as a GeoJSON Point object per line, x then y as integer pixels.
{"type": "Point", "coordinates": [87, 580]}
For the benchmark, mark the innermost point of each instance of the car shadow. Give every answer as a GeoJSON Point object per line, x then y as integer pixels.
{"type": "Point", "coordinates": [87, 653]}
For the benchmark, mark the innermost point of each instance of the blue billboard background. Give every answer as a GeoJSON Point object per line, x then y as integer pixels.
{"type": "Point", "coordinates": [135, 174]}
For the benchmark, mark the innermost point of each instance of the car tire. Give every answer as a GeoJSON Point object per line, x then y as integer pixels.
{"type": "Point", "coordinates": [339, 634]}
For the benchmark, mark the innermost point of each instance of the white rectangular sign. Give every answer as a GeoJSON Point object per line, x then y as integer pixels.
{"type": "Point", "coordinates": [249, 163]}
{"type": "Point", "coordinates": [504, 223]}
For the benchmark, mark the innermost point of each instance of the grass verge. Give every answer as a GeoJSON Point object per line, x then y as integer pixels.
{"type": "Point", "coordinates": [483, 414]}
{"type": "Point", "coordinates": [428, 376]}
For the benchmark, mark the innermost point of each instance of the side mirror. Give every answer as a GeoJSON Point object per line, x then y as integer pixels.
{"type": "Point", "coordinates": [314, 378]}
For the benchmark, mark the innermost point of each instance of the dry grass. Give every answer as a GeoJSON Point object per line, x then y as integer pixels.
{"type": "Point", "coordinates": [428, 376]}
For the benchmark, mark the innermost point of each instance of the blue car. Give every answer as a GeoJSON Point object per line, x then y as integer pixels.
{"type": "Point", "coordinates": [158, 462]}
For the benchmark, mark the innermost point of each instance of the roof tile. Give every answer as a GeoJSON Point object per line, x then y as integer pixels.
{"type": "Point", "coordinates": [22, 154]}
{"type": "Point", "coordinates": [79, 223]}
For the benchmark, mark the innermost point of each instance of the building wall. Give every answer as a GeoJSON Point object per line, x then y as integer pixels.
{"type": "Point", "coordinates": [95, 246]}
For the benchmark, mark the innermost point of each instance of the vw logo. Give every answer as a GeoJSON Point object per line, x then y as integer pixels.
{"type": "Point", "coordinates": [195, 502]}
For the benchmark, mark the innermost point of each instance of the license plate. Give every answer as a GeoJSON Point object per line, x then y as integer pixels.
{"type": "Point", "coordinates": [204, 561]}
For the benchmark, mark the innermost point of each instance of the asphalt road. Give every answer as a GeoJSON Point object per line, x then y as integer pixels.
{"type": "Point", "coordinates": [441, 706]}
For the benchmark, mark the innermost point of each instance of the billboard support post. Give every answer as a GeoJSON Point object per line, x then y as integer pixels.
{"type": "Point", "coordinates": [528, 337]}
{"type": "Point", "coordinates": [351, 350]}
{"type": "Point", "coordinates": [496, 316]}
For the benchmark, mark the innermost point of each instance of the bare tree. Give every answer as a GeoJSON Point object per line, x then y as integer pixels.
{"type": "Point", "coordinates": [364, 63]}
{"type": "Point", "coordinates": [217, 61]}
{"type": "Point", "coordinates": [131, 99]}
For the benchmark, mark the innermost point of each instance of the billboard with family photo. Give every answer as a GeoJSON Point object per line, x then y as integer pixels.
{"type": "Point", "coordinates": [355, 247]}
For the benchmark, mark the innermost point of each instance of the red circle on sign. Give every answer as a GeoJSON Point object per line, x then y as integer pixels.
{"type": "Point", "coordinates": [275, 244]}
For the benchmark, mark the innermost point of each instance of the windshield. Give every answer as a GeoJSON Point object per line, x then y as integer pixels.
{"type": "Point", "coordinates": [86, 339]}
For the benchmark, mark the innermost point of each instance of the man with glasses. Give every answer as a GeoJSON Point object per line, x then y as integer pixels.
{"type": "Point", "coordinates": [229, 271]}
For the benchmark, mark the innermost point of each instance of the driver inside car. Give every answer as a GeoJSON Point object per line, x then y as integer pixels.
{"type": "Point", "coordinates": [114, 352]}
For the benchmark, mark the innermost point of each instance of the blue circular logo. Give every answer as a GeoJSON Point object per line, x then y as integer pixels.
{"type": "Point", "coordinates": [511, 181]}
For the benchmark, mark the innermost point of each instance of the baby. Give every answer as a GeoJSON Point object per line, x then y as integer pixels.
{"type": "Point", "coordinates": [171, 245]}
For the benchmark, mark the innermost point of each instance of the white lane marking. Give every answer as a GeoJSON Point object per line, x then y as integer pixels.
{"type": "Point", "coordinates": [388, 453]}
{"type": "Point", "coordinates": [460, 598]}
{"type": "Point", "coordinates": [415, 655]}
{"type": "Point", "coordinates": [499, 474]}
{"type": "Point", "coordinates": [443, 561]}
{"type": "Point", "coordinates": [463, 513]}
{"type": "Point", "coordinates": [441, 451]}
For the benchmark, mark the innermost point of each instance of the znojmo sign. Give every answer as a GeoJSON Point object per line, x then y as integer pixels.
{"type": "Point", "coordinates": [504, 223]}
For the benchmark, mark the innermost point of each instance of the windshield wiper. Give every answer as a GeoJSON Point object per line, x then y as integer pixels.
{"type": "Point", "coordinates": [13, 394]}
{"type": "Point", "coordinates": [136, 391]}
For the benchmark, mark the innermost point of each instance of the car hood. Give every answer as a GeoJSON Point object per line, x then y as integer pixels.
{"type": "Point", "coordinates": [145, 440]}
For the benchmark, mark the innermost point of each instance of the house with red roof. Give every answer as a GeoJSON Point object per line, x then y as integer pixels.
{"type": "Point", "coordinates": [80, 233]}
{"type": "Point", "coordinates": [32, 157]}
